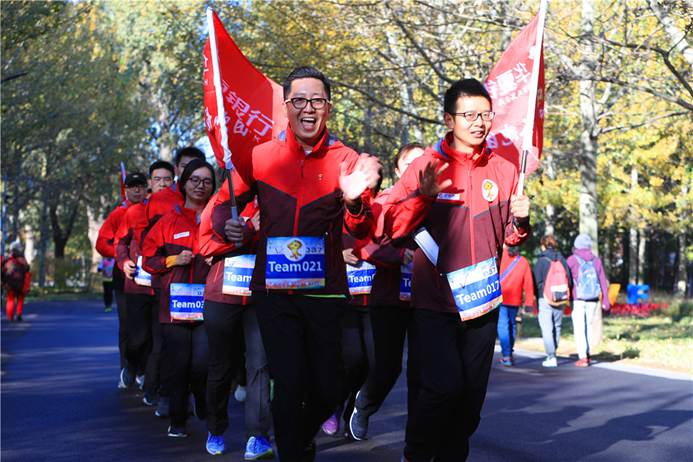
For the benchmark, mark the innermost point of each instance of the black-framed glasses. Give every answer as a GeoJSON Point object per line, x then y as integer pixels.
{"type": "Point", "coordinates": [301, 103]}
{"type": "Point", "coordinates": [471, 116]}
{"type": "Point", "coordinates": [196, 180]}
{"type": "Point", "coordinates": [136, 186]}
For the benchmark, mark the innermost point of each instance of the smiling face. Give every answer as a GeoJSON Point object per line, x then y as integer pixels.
{"type": "Point", "coordinates": [468, 135]}
{"type": "Point", "coordinates": [307, 124]}
{"type": "Point", "coordinates": [199, 186]}
{"type": "Point", "coordinates": [161, 178]}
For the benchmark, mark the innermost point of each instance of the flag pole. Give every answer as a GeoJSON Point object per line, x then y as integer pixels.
{"type": "Point", "coordinates": [123, 177]}
{"type": "Point", "coordinates": [221, 113]}
{"type": "Point", "coordinates": [532, 102]}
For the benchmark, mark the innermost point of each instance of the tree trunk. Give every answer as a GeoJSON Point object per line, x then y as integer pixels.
{"type": "Point", "coordinates": [681, 266]}
{"type": "Point", "coordinates": [633, 266]}
{"type": "Point", "coordinates": [43, 241]}
{"type": "Point", "coordinates": [588, 136]}
{"type": "Point", "coordinates": [549, 209]}
{"type": "Point", "coordinates": [676, 35]}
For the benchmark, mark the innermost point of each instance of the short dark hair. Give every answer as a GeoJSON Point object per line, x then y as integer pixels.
{"type": "Point", "coordinates": [189, 151]}
{"type": "Point", "coordinates": [549, 242]}
{"type": "Point", "coordinates": [405, 149]}
{"type": "Point", "coordinates": [306, 72]}
{"type": "Point", "coordinates": [161, 164]}
{"type": "Point", "coordinates": [190, 168]}
{"type": "Point", "coordinates": [463, 87]}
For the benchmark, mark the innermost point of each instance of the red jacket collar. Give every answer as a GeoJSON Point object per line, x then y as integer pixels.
{"type": "Point", "coordinates": [324, 143]}
{"type": "Point", "coordinates": [444, 148]}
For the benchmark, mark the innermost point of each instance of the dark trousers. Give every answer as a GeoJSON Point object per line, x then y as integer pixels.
{"type": "Point", "coordinates": [389, 325]}
{"type": "Point", "coordinates": [107, 293]}
{"type": "Point", "coordinates": [184, 370]}
{"type": "Point", "coordinates": [358, 353]}
{"type": "Point", "coordinates": [454, 360]}
{"type": "Point", "coordinates": [302, 337]}
{"type": "Point", "coordinates": [121, 304]}
{"type": "Point", "coordinates": [258, 417]}
{"type": "Point", "coordinates": [154, 360]}
{"type": "Point", "coordinates": [139, 331]}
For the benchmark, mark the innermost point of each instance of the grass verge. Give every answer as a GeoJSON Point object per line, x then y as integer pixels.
{"type": "Point", "coordinates": [663, 340]}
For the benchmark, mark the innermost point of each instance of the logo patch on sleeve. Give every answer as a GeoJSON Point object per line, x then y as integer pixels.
{"type": "Point", "coordinates": [489, 190]}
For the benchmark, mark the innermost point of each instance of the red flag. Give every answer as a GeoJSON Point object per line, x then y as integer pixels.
{"type": "Point", "coordinates": [510, 86]}
{"type": "Point", "coordinates": [252, 102]}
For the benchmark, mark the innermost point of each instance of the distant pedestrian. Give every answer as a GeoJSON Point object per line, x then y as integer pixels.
{"type": "Point", "coordinates": [106, 270]}
{"type": "Point", "coordinates": [16, 280]}
{"type": "Point", "coordinates": [590, 285]}
{"type": "Point", "coordinates": [515, 277]}
{"type": "Point", "coordinates": [553, 287]}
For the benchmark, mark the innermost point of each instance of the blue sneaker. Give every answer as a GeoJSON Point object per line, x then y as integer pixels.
{"type": "Point", "coordinates": [257, 448]}
{"type": "Point", "coordinates": [215, 444]}
{"type": "Point", "coordinates": [358, 424]}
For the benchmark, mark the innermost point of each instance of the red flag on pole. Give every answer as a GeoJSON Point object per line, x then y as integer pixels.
{"type": "Point", "coordinates": [516, 86]}
{"type": "Point", "coordinates": [252, 111]}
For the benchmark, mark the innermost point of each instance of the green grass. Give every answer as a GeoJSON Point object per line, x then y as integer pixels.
{"type": "Point", "coordinates": [664, 340]}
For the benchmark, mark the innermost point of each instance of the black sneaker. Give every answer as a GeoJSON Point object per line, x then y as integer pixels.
{"type": "Point", "coordinates": [149, 399]}
{"type": "Point", "coordinates": [19, 318]}
{"type": "Point", "coordinates": [177, 432]}
{"type": "Point", "coordinates": [126, 378]}
{"type": "Point", "coordinates": [358, 425]}
{"type": "Point", "coordinates": [162, 408]}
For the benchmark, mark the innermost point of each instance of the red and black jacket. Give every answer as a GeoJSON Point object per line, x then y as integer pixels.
{"type": "Point", "coordinates": [299, 195]}
{"type": "Point", "coordinates": [388, 261]}
{"type": "Point", "coordinates": [105, 242]}
{"type": "Point", "coordinates": [469, 221]}
{"type": "Point", "coordinates": [212, 245]}
{"type": "Point", "coordinates": [128, 241]}
{"type": "Point", "coordinates": [173, 233]}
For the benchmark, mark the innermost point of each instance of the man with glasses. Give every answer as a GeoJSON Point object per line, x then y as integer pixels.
{"type": "Point", "coordinates": [308, 186]}
{"type": "Point", "coordinates": [135, 192]}
{"type": "Point", "coordinates": [463, 195]}
{"type": "Point", "coordinates": [142, 356]}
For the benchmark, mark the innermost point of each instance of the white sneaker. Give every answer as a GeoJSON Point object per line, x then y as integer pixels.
{"type": "Point", "coordinates": [140, 381]}
{"type": "Point", "coordinates": [550, 361]}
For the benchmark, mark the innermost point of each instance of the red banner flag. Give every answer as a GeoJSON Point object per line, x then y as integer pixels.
{"type": "Point", "coordinates": [252, 102]}
{"type": "Point", "coordinates": [510, 86]}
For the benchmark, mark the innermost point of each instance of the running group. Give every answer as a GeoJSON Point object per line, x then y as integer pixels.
{"type": "Point", "coordinates": [312, 287]}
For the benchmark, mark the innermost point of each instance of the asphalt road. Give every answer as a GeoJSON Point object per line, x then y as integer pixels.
{"type": "Point", "coordinates": [60, 403]}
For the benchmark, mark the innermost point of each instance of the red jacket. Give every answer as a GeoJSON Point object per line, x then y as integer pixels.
{"type": "Point", "coordinates": [163, 202]}
{"type": "Point", "coordinates": [105, 242]}
{"type": "Point", "coordinates": [212, 245]}
{"type": "Point", "coordinates": [176, 231]}
{"type": "Point", "coordinates": [469, 221]}
{"type": "Point", "coordinates": [518, 279]}
{"type": "Point", "coordinates": [299, 195]}
{"type": "Point", "coordinates": [388, 260]}
{"type": "Point", "coordinates": [128, 241]}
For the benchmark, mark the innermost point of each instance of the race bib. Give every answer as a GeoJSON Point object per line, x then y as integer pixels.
{"type": "Point", "coordinates": [476, 289]}
{"type": "Point", "coordinates": [186, 301]}
{"type": "Point", "coordinates": [142, 278]}
{"type": "Point", "coordinates": [360, 278]}
{"type": "Point", "coordinates": [405, 282]}
{"type": "Point", "coordinates": [238, 271]}
{"type": "Point", "coordinates": [295, 263]}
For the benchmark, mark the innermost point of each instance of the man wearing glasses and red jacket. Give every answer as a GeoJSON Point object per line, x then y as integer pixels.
{"type": "Point", "coordinates": [308, 186]}
{"type": "Point", "coordinates": [459, 200]}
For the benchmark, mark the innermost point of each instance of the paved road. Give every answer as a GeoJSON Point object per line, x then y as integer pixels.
{"type": "Point", "coordinates": [60, 403]}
